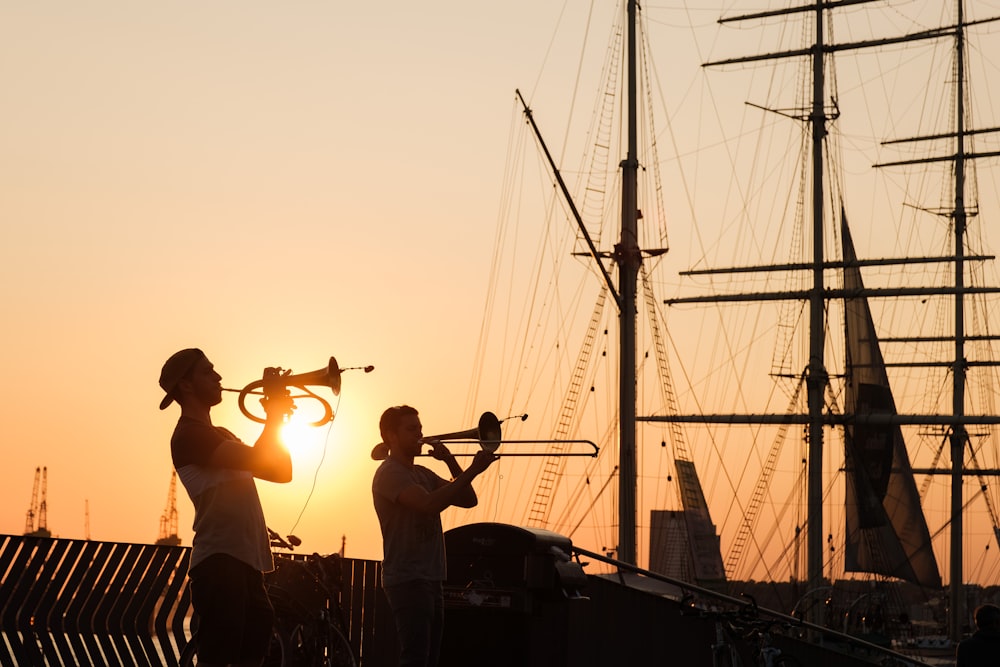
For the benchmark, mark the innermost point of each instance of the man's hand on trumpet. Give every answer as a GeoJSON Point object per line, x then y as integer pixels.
{"type": "Point", "coordinates": [278, 407]}
{"type": "Point", "coordinates": [277, 401]}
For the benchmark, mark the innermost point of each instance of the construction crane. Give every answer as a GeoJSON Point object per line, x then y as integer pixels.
{"type": "Point", "coordinates": [43, 521]}
{"type": "Point", "coordinates": [38, 509]}
{"type": "Point", "coordinates": [168, 520]}
{"type": "Point", "coordinates": [29, 521]}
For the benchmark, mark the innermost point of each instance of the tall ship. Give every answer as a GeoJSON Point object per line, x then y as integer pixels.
{"type": "Point", "coordinates": [776, 325]}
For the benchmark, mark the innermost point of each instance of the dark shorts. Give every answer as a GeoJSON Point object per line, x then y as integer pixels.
{"type": "Point", "coordinates": [234, 614]}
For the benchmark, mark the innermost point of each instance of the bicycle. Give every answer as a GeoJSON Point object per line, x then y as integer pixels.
{"type": "Point", "coordinates": [745, 628]}
{"type": "Point", "coordinates": [309, 628]}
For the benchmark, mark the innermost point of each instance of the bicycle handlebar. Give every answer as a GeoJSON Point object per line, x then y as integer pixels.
{"type": "Point", "coordinates": [282, 543]}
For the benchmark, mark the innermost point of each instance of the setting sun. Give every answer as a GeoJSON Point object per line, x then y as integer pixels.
{"type": "Point", "coordinates": [328, 446]}
{"type": "Point", "coordinates": [303, 440]}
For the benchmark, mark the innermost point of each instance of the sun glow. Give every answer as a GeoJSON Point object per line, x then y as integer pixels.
{"type": "Point", "coordinates": [327, 446]}
{"type": "Point", "coordinates": [329, 497]}
{"type": "Point", "coordinates": [303, 440]}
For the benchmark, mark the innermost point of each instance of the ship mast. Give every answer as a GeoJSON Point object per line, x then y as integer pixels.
{"type": "Point", "coordinates": [628, 255]}
{"type": "Point", "coordinates": [959, 436]}
{"type": "Point", "coordinates": [816, 375]}
{"type": "Point", "coordinates": [629, 259]}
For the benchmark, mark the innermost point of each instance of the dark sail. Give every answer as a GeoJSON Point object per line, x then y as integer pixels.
{"type": "Point", "coordinates": [886, 530]}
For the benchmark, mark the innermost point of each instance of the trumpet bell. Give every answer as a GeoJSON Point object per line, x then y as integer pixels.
{"type": "Point", "coordinates": [327, 377]}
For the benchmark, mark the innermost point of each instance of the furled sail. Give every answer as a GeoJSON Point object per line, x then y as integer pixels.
{"type": "Point", "coordinates": [886, 530]}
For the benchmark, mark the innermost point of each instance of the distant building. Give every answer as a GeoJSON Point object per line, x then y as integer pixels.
{"type": "Point", "coordinates": [684, 544]}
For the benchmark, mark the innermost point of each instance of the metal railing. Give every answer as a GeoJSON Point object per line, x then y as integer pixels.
{"type": "Point", "coordinates": [79, 602]}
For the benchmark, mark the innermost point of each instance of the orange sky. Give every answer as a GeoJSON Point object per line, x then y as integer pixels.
{"type": "Point", "coordinates": [277, 184]}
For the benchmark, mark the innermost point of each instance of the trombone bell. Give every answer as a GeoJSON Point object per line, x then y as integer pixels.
{"type": "Point", "coordinates": [487, 433]}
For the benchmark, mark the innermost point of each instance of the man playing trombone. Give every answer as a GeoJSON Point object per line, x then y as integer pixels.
{"type": "Point", "coordinates": [231, 548]}
{"type": "Point", "coordinates": [409, 499]}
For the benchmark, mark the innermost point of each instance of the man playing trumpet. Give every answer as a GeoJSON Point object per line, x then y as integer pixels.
{"type": "Point", "coordinates": [231, 548]}
{"type": "Point", "coordinates": [409, 499]}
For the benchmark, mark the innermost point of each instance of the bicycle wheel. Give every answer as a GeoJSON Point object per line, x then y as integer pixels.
{"type": "Point", "coordinates": [317, 642]}
{"type": "Point", "coordinates": [275, 656]}
{"type": "Point", "coordinates": [338, 650]}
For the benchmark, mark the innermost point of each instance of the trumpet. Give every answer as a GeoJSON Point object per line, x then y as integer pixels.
{"type": "Point", "coordinates": [487, 435]}
{"type": "Point", "coordinates": [330, 377]}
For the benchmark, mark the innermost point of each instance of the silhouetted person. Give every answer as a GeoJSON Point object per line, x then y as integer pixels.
{"type": "Point", "coordinates": [409, 499]}
{"type": "Point", "coordinates": [982, 649]}
{"type": "Point", "coordinates": [231, 548]}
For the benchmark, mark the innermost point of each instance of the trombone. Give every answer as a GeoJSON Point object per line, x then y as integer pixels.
{"type": "Point", "coordinates": [487, 435]}
{"type": "Point", "coordinates": [330, 377]}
